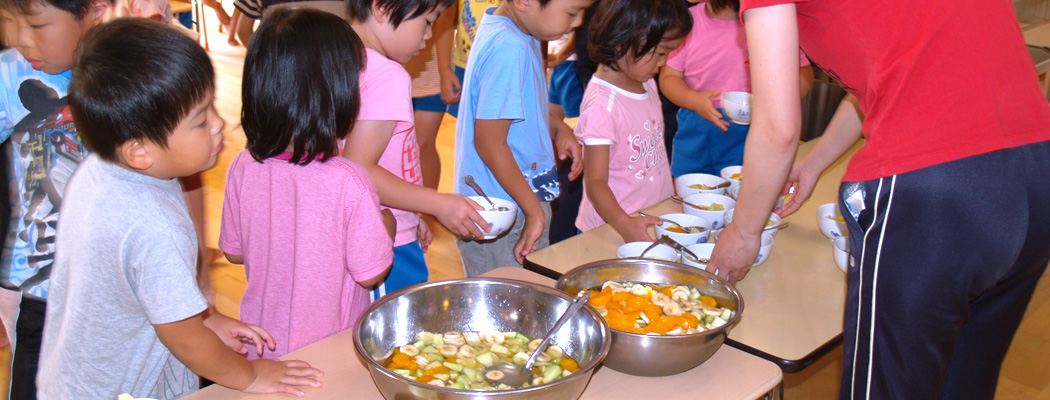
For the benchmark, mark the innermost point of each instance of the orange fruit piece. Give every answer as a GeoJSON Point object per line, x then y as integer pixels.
{"type": "Point", "coordinates": [599, 299]}
{"type": "Point", "coordinates": [666, 290]}
{"type": "Point", "coordinates": [708, 301]}
{"type": "Point", "coordinates": [637, 302]}
{"type": "Point", "coordinates": [569, 364]}
{"type": "Point", "coordinates": [621, 296]}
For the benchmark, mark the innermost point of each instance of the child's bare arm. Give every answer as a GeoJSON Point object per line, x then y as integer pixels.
{"type": "Point", "coordinates": [365, 145]}
{"type": "Point", "coordinates": [566, 145]}
{"type": "Point", "coordinates": [202, 352]}
{"type": "Point", "coordinates": [631, 229]}
{"type": "Point", "coordinates": [445, 32]}
{"type": "Point", "coordinates": [672, 85]}
{"type": "Point", "coordinates": [490, 140]}
{"type": "Point", "coordinates": [237, 335]}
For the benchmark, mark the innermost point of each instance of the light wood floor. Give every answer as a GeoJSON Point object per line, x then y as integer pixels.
{"type": "Point", "coordinates": [1025, 373]}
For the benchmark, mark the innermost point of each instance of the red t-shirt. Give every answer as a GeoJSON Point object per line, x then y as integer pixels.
{"type": "Point", "coordinates": [938, 81]}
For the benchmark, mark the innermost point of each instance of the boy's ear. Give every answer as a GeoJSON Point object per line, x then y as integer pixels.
{"type": "Point", "coordinates": [521, 5]}
{"type": "Point", "coordinates": [98, 11]}
{"type": "Point", "coordinates": [135, 155]}
{"type": "Point", "coordinates": [380, 13]}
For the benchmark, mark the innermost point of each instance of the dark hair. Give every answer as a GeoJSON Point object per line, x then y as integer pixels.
{"type": "Point", "coordinates": [300, 85]}
{"type": "Point", "coordinates": [621, 27]}
{"type": "Point", "coordinates": [79, 8]}
{"type": "Point", "coordinates": [399, 10]}
{"type": "Point", "coordinates": [719, 5]}
{"type": "Point", "coordinates": [136, 79]}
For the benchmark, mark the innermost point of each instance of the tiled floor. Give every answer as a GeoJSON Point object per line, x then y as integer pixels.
{"type": "Point", "coordinates": [1024, 375]}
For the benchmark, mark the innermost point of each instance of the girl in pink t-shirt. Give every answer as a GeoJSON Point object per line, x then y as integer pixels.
{"type": "Point", "coordinates": [304, 221]}
{"type": "Point", "coordinates": [384, 139]}
{"type": "Point", "coordinates": [621, 124]}
{"type": "Point", "coordinates": [712, 61]}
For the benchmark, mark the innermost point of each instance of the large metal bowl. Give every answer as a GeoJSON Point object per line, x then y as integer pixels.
{"type": "Point", "coordinates": [478, 305]}
{"type": "Point", "coordinates": [649, 355]}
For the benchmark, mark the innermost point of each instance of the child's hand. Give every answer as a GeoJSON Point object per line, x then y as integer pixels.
{"type": "Point", "coordinates": [637, 229]}
{"type": "Point", "coordinates": [460, 216]}
{"type": "Point", "coordinates": [237, 335]}
{"type": "Point", "coordinates": [450, 87]}
{"type": "Point", "coordinates": [708, 111]}
{"type": "Point", "coordinates": [274, 376]}
{"type": "Point", "coordinates": [424, 235]}
{"type": "Point", "coordinates": [568, 147]}
{"type": "Point", "coordinates": [530, 233]}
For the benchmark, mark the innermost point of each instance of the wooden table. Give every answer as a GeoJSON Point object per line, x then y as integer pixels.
{"type": "Point", "coordinates": [793, 303]}
{"type": "Point", "coordinates": [728, 374]}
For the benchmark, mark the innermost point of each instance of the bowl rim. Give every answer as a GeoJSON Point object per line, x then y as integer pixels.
{"type": "Point", "coordinates": [723, 330]}
{"type": "Point", "coordinates": [373, 364]}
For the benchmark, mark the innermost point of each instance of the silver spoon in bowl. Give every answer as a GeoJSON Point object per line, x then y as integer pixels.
{"type": "Point", "coordinates": [515, 376]}
{"type": "Point", "coordinates": [469, 180]}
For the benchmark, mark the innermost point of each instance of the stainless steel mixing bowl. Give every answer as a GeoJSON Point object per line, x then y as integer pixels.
{"type": "Point", "coordinates": [478, 305]}
{"type": "Point", "coordinates": [649, 355]}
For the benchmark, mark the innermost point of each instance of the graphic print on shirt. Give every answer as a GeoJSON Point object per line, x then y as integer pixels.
{"type": "Point", "coordinates": [645, 147]}
{"type": "Point", "coordinates": [544, 183]}
{"type": "Point", "coordinates": [46, 151]}
{"type": "Point", "coordinates": [470, 24]}
{"type": "Point", "coordinates": [411, 169]}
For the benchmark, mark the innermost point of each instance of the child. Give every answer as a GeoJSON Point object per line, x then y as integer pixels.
{"type": "Point", "coordinates": [621, 122]}
{"type": "Point", "coordinates": [427, 104]}
{"type": "Point", "coordinates": [712, 61]}
{"type": "Point", "coordinates": [296, 214]}
{"type": "Point", "coordinates": [384, 140]}
{"type": "Point", "coordinates": [504, 133]}
{"type": "Point", "coordinates": [125, 314]}
{"type": "Point", "coordinates": [452, 56]}
{"type": "Point", "coordinates": [41, 150]}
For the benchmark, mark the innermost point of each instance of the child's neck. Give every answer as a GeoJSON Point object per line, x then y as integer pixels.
{"type": "Point", "coordinates": [506, 9]}
{"type": "Point", "coordinates": [619, 79]}
{"type": "Point", "coordinates": [725, 14]}
{"type": "Point", "coordinates": [367, 35]}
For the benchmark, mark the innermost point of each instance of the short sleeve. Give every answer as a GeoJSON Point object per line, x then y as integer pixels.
{"type": "Point", "coordinates": [500, 81]}
{"type": "Point", "coordinates": [597, 124]}
{"type": "Point", "coordinates": [678, 57]}
{"type": "Point", "coordinates": [230, 228]}
{"type": "Point", "coordinates": [250, 8]}
{"type": "Point", "coordinates": [162, 260]}
{"type": "Point", "coordinates": [6, 127]}
{"type": "Point", "coordinates": [386, 91]}
{"type": "Point", "coordinates": [369, 249]}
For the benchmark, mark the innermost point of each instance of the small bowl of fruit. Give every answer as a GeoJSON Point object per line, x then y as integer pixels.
{"type": "Point", "coordinates": [688, 184]}
{"type": "Point", "coordinates": [830, 221]}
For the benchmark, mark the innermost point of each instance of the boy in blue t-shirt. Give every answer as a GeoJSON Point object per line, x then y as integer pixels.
{"type": "Point", "coordinates": [41, 149]}
{"type": "Point", "coordinates": [504, 131]}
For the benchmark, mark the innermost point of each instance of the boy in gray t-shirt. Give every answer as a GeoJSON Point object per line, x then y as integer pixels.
{"type": "Point", "coordinates": [125, 314]}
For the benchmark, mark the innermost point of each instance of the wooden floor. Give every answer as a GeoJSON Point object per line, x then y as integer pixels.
{"type": "Point", "coordinates": [1025, 373]}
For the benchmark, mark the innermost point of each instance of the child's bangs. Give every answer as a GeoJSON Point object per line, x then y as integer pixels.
{"type": "Point", "coordinates": [78, 8]}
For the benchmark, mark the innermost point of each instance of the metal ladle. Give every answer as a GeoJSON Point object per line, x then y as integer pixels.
{"type": "Point", "coordinates": [515, 376]}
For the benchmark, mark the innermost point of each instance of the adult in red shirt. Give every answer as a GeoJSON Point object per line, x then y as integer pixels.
{"type": "Point", "coordinates": [947, 202]}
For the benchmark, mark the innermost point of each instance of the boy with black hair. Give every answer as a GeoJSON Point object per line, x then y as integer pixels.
{"type": "Point", "coordinates": [504, 131]}
{"type": "Point", "coordinates": [125, 314]}
{"type": "Point", "coordinates": [43, 150]}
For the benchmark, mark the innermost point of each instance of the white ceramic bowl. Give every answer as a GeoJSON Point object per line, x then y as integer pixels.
{"type": "Point", "coordinates": [737, 106]}
{"type": "Point", "coordinates": [727, 173]}
{"type": "Point", "coordinates": [773, 220]}
{"type": "Point", "coordinates": [683, 184]}
{"type": "Point", "coordinates": [702, 250]}
{"type": "Point", "coordinates": [660, 252]}
{"type": "Point", "coordinates": [767, 247]}
{"type": "Point", "coordinates": [685, 239]}
{"type": "Point", "coordinates": [841, 251]}
{"type": "Point", "coordinates": [826, 215]}
{"type": "Point", "coordinates": [734, 192]}
{"type": "Point", "coordinates": [717, 218]}
{"type": "Point", "coordinates": [499, 221]}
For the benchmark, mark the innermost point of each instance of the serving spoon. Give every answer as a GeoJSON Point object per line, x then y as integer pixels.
{"type": "Point", "coordinates": [684, 228]}
{"type": "Point", "coordinates": [474, 185]}
{"type": "Point", "coordinates": [514, 376]}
